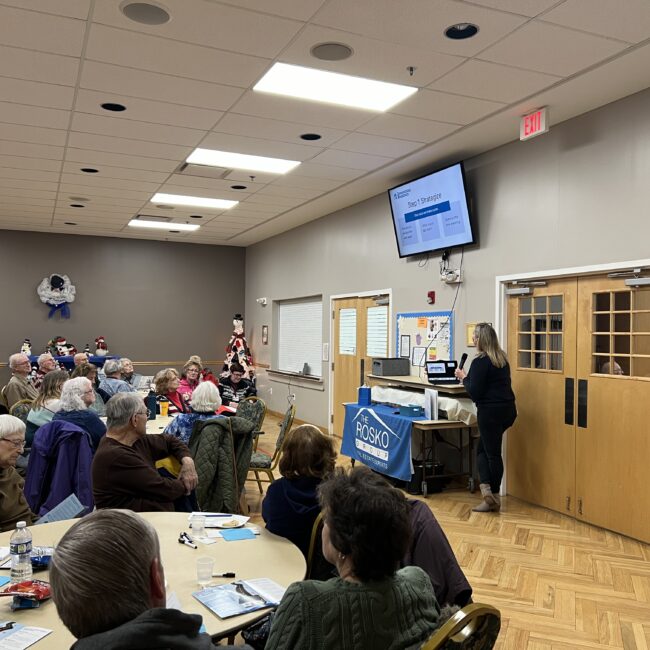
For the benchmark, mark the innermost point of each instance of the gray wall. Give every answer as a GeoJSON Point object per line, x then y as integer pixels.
{"type": "Point", "coordinates": [575, 196]}
{"type": "Point", "coordinates": [153, 301]}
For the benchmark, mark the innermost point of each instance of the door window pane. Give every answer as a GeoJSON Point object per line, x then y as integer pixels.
{"type": "Point", "coordinates": [640, 367]}
{"type": "Point", "coordinates": [642, 299]}
{"type": "Point", "coordinates": [540, 323]}
{"type": "Point", "coordinates": [601, 301]}
{"type": "Point", "coordinates": [524, 359]}
{"type": "Point", "coordinates": [525, 305]}
{"type": "Point", "coordinates": [377, 331]}
{"type": "Point", "coordinates": [540, 304]}
{"type": "Point", "coordinates": [348, 331]}
{"type": "Point", "coordinates": [524, 342]}
{"type": "Point", "coordinates": [622, 345]}
{"type": "Point", "coordinates": [525, 323]}
{"type": "Point", "coordinates": [556, 322]}
{"type": "Point", "coordinates": [555, 342]}
{"type": "Point", "coordinates": [621, 366]}
{"type": "Point", "coordinates": [555, 304]}
{"type": "Point", "coordinates": [621, 322]}
{"type": "Point", "coordinates": [601, 343]}
{"type": "Point", "coordinates": [540, 342]}
{"type": "Point", "coordinates": [622, 301]}
{"type": "Point", "coordinates": [540, 360]}
{"type": "Point", "coordinates": [555, 362]}
{"type": "Point", "coordinates": [601, 322]}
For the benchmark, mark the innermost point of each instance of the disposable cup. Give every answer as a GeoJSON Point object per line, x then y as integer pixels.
{"type": "Point", "coordinates": [204, 566]}
{"type": "Point", "coordinates": [164, 408]}
{"type": "Point", "coordinates": [198, 526]}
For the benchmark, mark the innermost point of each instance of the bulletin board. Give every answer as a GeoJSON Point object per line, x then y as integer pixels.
{"type": "Point", "coordinates": [424, 336]}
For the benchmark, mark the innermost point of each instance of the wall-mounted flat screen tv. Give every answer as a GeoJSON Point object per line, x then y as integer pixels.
{"type": "Point", "coordinates": [431, 213]}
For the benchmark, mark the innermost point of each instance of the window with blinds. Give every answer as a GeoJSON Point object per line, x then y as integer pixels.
{"type": "Point", "coordinates": [300, 335]}
{"type": "Point", "coordinates": [348, 331]}
{"type": "Point", "coordinates": [377, 332]}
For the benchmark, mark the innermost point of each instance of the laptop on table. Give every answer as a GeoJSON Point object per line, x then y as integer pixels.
{"type": "Point", "coordinates": [442, 372]}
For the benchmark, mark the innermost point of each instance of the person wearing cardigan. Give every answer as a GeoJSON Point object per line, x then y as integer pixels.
{"type": "Point", "coordinates": [371, 604]}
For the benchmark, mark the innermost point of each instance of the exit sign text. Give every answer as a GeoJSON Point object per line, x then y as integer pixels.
{"type": "Point", "coordinates": [533, 124]}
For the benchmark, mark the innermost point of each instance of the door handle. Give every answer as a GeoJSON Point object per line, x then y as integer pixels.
{"type": "Point", "coordinates": [569, 397]}
{"type": "Point", "coordinates": [582, 403]}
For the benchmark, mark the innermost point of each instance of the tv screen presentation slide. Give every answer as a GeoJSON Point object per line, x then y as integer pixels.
{"type": "Point", "coordinates": [431, 213]}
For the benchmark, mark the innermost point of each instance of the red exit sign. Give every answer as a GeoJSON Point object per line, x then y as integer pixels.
{"type": "Point", "coordinates": [534, 124]}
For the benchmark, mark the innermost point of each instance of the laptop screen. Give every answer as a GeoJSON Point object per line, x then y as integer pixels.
{"type": "Point", "coordinates": [441, 371]}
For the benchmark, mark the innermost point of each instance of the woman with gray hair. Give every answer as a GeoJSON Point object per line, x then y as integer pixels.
{"type": "Point", "coordinates": [205, 401]}
{"type": "Point", "coordinates": [13, 505]}
{"type": "Point", "coordinates": [112, 384]}
{"type": "Point", "coordinates": [76, 398]}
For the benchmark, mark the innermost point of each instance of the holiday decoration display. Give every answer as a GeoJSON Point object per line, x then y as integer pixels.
{"type": "Point", "coordinates": [26, 347]}
{"type": "Point", "coordinates": [238, 350]}
{"type": "Point", "coordinates": [59, 347]}
{"type": "Point", "coordinates": [101, 349]}
{"type": "Point", "coordinates": [58, 292]}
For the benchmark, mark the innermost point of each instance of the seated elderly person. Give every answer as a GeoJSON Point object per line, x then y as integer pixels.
{"type": "Point", "coordinates": [19, 386]}
{"type": "Point", "coordinates": [46, 404]}
{"type": "Point", "coordinates": [124, 467]}
{"type": "Point", "coordinates": [205, 401]}
{"type": "Point", "coordinates": [166, 383]}
{"type": "Point", "coordinates": [365, 534]}
{"type": "Point", "coordinates": [46, 363]}
{"type": "Point", "coordinates": [79, 358]}
{"type": "Point", "coordinates": [108, 585]}
{"type": "Point", "coordinates": [234, 388]}
{"type": "Point", "coordinates": [190, 377]}
{"type": "Point", "coordinates": [89, 371]}
{"type": "Point", "coordinates": [77, 396]}
{"type": "Point", "coordinates": [13, 505]}
{"type": "Point", "coordinates": [112, 384]}
{"type": "Point", "coordinates": [128, 373]}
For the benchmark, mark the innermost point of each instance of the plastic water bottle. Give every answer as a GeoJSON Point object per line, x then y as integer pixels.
{"type": "Point", "coordinates": [20, 548]}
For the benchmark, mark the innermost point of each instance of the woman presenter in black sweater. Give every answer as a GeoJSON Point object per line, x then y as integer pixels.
{"type": "Point", "coordinates": [488, 384]}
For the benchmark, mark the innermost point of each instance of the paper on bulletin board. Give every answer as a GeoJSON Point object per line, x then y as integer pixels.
{"type": "Point", "coordinates": [432, 353]}
{"type": "Point", "coordinates": [422, 322]}
{"type": "Point", "coordinates": [417, 356]}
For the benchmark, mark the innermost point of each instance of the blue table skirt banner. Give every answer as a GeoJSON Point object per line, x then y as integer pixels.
{"type": "Point", "coordinates": [378, 438]}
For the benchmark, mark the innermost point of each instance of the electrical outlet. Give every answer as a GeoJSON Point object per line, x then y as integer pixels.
{"type": "Point", "coordinates": [451, 276]}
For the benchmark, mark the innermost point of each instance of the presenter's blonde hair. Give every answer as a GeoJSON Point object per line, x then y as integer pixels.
{"type": "Point", "coordinates": [487, 343]}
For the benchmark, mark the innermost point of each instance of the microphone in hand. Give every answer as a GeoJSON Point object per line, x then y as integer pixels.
{"type": "Point", "coordinates": [463, 358]}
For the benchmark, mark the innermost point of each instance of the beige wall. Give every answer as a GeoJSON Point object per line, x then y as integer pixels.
{"type": "Point", "coordinates": [575, 196]}
{"type": "Point", "coordinates": [153, 301]}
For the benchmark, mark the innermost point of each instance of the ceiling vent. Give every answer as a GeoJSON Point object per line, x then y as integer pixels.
{"type": "Point", "coordinates": [204, 171]}
{"type": "Point", "coordinates": [153, 217]}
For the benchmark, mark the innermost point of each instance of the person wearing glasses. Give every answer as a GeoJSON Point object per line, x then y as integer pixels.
{"type": "Point", "coordinates": [13, 505]}
{"type": "Point", "coordinates": [190, 377]}
{"type": "Point", "coordinates": [19, 387]}
{"type": "Point", "coordinates": [235, 388]}
{"type": "Point", "coordinates": [77, 396]}
{"type": "Point", "coordinates": [124, 467]}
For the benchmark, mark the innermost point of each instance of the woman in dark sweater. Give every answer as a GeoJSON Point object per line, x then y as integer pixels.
{"type": "Point", "coordinates": [488, 384]}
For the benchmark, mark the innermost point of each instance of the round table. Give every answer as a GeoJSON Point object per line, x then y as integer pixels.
{"type": "Point", "coordinates": [266, 556]}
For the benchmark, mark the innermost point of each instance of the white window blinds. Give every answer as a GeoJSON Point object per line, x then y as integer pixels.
{"type": "Point", "coordinates": [348, 331]}
{"type": "Point", "coordinates": [300, 335]}
{"type": "Point", "coordinates": [377, 332]}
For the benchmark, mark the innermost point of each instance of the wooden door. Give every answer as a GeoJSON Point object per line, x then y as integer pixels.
{"type": "Point", "coordinates": [542, 354]}
{"type": "Point", "coordinates": [360, 333]}
{"type": "Point", "coordinates": [613, 433]}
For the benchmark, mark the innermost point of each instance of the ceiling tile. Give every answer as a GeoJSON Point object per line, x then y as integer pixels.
{"type": "Point", "coordinates": [43, 32]}
{"type": "Point", "coordinates": [171, 57]}
{"type": "Point", "coordinates": [29, 174]}
{"type": "Point", "coordinates": [231, 195]}
{"type": "Point", "coordinates": [28, 150]}
{"type": "Point", "coordinates": [243, 177]}
{"type": "Point", "coordinates": [524, 7]}
{"type": "Point", "coordinates": [263, 128]}
{"type": "Point", "coordinates": [492, 81]}
{"type": "Point", "coordinates": [111, 174]}
{"type": "Point", "coordinates": [301, 112]}
{"type": "Point", "coordinates": [377, 145]}
{"type": "Point", "coordinates": [300, 9]}
{"type": "Point", "coordinates": [158, 87]}
{"type": "Point", "coordinates": [407, 128]}
{"type": "Point", "coordinates": [306, 182]}
{"type": "Point", "coordinates": [92, 181]}
{"type": "Point", "coordinates": [332, 172]}
{"type": "Point", "coordinates": [213, 184]}
{"type": "Point", "coordinates": [15, 183]}
{"type": "Point", "coordinates": [69, 8]}
{"type": "Point", "coordinates": [349, 159]}
{"type": "Point", "coordinates": [371, 58]}
{"type": "Point", "coordinates": [68, 190]}
{"type": "Point", "coordinates": [91, 158]}
{"type": "Point", "coordinates": [51, 118]}
{"type": "Point", "coordinates": [38, 66]}
{"type": "Point", "coordinates": [19, 162]}
{"type": "Point", "coordinates": [101, 202]}
{"type": "Point", "coordinates": [130, 147]}
{"type": "Point", "coordinates": [10, 201]}
{"type": "Point", "coordinates": [18, 193]}
{"type": "Point", "coordinates": [36, 94]}
{"type": "Point", "coordinates": [134, 130]}
{"type": "Point", "coordinates": [203, 23]}
{"type": "Point", "coordinates": [430, 104]}
{"type": "Point", "coordinates": [551, 49]}
{"type": "Point", "coordinates": [257, 147]}
{"type": "Point", "coordinates": [33, 134]}
{"type": "Point", "coordinates": [628, 21]}
{"type": "Point", "coordinates": [290, 192]}
{"type": "Point", "coordinates": [424, 22]}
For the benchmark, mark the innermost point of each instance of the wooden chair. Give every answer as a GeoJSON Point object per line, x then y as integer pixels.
{"type": "Point", "coordinates": [21, 409]}
{"type": "Point", "coordinates": [261, 462]}
{"type": "Point", "coordinates": [253, 409]}
{"type": "Point", "coordinates": [475, 627]}
{"type": "Point", "coordinates": [316, 536]}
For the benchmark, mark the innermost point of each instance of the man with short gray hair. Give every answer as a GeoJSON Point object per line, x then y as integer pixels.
{"type": "Point", "coordinates": [124, 467]}
{"type": "Point", "coordinates": [113, 383]}
{"type": "Point", "coordinates": [46, 363]}
{"type": "Point", "coordinates": [129, 375]}
{"type": "Point", "coordinates": [108, 585]}
{"type": "Point", "coordinates": [19, 387]}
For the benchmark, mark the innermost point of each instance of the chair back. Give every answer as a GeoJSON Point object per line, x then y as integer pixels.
{"type": "Point", "coordinates": [475, 627]}
{"type": "Point", "coordinates": [285, 427]}
{"type": "Point", "coordinates": [21, 409]}
{"type": "Point", "coordinates": [253, 409]}
{"type": "Point", "coordinates": [3, 399]}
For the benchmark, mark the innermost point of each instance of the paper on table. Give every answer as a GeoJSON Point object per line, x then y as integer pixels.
{"type": "Point", "coordinates": [21, 637]}
{"type": "Point", "coordinates": [237, 534]}
{"type": "Point", "coordinates": [68, 509]}
{"type": "Point", "coordinates": [212, 534]}
{"type": "Point", "coordinates": [172, 601]}
{"type": "Point", "coordinates": [214, 519]}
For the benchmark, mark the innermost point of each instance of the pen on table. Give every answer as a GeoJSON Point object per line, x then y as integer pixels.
{"type": "Point", "coordinates": [186, 536]}
{"type": "Point", "coordinates": [229, 574]}
{"type": "Point", "coordinates": [182, 540]}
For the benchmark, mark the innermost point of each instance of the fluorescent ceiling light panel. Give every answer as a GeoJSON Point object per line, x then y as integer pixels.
{"type": "Point", "coordinates": [332, 87]}
{"type": "Point", "coordinates": [232, 160]}
{"type": "Point", "coordinates": [194, 201]}
{"type": "Point", "coordinates": [162, 225]}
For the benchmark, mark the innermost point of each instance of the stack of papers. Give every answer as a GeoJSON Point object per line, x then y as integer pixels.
{"type": "Point", "coordinates": [241, 597]}
{"type": "Point", "coordinates": [19, 637]}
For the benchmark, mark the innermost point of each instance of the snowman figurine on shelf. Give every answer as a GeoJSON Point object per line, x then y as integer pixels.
{"type": "Point", "coordinates": [238, 350]}
{"type": "Point", "coordinates": [26, 347]}
{"type": "Point", "coordinates": [101, 349]}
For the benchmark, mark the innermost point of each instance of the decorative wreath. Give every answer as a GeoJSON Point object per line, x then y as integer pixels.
{"type": "Point", "coordinates": [57, 291]}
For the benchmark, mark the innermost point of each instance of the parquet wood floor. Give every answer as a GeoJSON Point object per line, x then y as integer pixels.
{"type": "Point", "coordinates": [560, 584]}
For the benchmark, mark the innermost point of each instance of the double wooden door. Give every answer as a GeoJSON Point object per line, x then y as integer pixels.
{"type": "Point", "coordinates": [579, 350]}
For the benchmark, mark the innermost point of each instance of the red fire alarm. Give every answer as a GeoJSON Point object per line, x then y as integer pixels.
{"type": "Point", "coordinates": [431, 297]}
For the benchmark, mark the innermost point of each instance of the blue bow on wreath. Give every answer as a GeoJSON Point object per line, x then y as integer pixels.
{"type": "Point", "coordinates": [62, 307]}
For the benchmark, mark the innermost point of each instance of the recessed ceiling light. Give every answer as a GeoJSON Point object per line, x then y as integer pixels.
{"type": "Point", "coordinates": [89, 170]}
{"type": "Point", "coordinates": [77, 205]}
{"type": "Point", "coordinates": [110, 106]}
{"type": "Point", "coordinates": [79, 199]}
{"type": "Point", "coordinates": [196, 216]}
{"type": "Point", "coordinates": [161, 225]}
{"type": "Point", "coordinates": [165, 207]}
{"type": "Point", "coordinates": [460, 31]}
{"type": "Point", "coordinates": [332, 87]}
{"type": "Point", "coordinates": [69, 223]}
{"type": "Point", "coordinates": [331, 51]}
{"type": "Point", "coordinates": [311, 136]}
{"type": "Point", "coordinates": [175, 232]}
{"type": "Point", "coordinates": [196, 201]}
{"type": "Point", "coordinates": [145, 13]}
{"type": "Point", "coordinates": [232, 160]}
{"type": "Point", "coordinates": [238, 187]}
